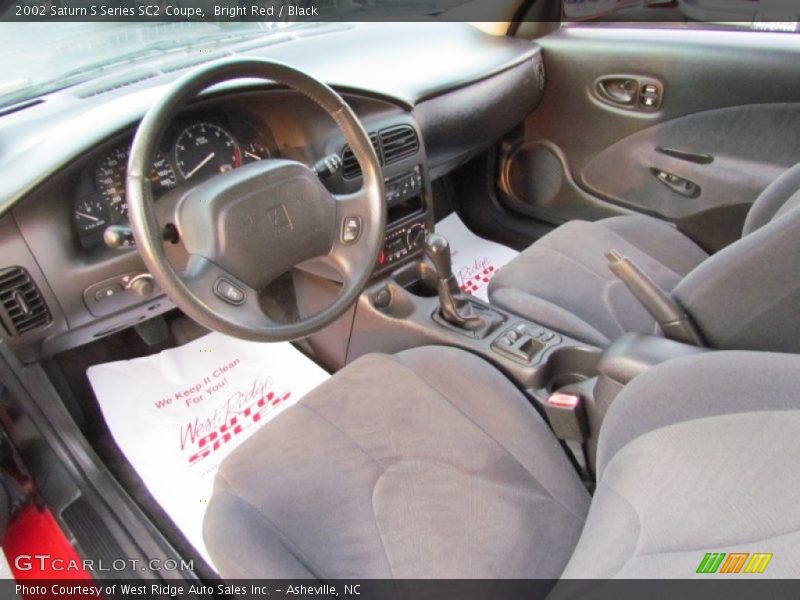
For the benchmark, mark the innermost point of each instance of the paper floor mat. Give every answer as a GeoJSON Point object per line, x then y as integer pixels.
{"type": "Point", "coordinates": [175, 415]}
{"type": "Point", "coordinates": [475, 260]}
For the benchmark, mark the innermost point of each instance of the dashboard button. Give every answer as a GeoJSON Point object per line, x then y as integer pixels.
{"type": "Point", "coordinates": [107, 292]}
{"type": "Point", "coordinates": [228, 292]}
{"type": "Point", "coordinates": [351, 229]}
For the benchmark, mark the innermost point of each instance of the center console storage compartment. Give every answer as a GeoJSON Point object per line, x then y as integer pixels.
{"type": "Point", "coordinates": [418, 279]}
{"type": "Point", "coordinates": [405, 208]}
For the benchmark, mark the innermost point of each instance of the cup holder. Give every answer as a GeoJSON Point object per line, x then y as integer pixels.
{"type": "Point", "coordinates": [563, 380]}
{"type": "Point", "coordinates": [568, 366]}
{"type": "Point", "coordinates": [418, 279]}
{"type": "Point", "coordinates": [422, 288]}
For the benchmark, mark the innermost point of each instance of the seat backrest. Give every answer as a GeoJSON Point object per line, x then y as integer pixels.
{"type": "Point", "coordinates": [777, 199]}
{"type": "Point", "coordinates": [747, 296]}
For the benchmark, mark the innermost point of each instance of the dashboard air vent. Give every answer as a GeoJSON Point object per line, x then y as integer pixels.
{"type": "Point", "coordinates": [23, 308]}
{"type": "Point", "coordinates": [350, 166]}
{"type": "Point", "coordinates": [398, 142]}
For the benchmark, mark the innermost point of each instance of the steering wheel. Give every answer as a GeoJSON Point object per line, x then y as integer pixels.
{"type": "Point", "coordinates": [244, 228]}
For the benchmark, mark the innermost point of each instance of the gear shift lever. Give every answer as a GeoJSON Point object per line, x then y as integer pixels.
{"type": "Point", "coordinates": [455, 307]}
{"type": "Point", "coordinates": [438, 250]}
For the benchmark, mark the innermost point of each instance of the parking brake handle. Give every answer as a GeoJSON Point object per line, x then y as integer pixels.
{"type": "Point", "coordinates": [671, 317]}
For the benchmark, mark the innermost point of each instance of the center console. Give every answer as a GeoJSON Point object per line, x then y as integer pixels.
{"type": "Point", "coordinates": [408, 219]}
{"type": "Point", "coordinates": [525, 343]}
{"type": "Point", "coordinates": [405, 308]}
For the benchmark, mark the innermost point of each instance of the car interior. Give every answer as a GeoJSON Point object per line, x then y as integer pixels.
{"type": "Point", "coordinates": [624, 402]}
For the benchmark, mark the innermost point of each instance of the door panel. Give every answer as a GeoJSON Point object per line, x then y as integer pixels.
{"type": "Point", "coordinates": [723, 126]}
{"type": "Point", "coordinates": [698, 162]}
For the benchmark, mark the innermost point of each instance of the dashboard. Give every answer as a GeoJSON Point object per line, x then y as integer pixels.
{"type": "Point", "coordinates": [193, 148]}
{"type": "Point", "coordinates": [54, 210]}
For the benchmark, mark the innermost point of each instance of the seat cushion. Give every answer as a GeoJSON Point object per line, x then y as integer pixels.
{"type": "Point", "coordinates": [425, 464]}
{"type": "Point", "coordinates": [563, 280]}
{"type": "Point", "coordinates": [697, 455]}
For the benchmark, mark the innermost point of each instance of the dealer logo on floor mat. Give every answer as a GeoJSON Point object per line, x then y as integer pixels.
{"type": "Point", "coordinates": [235, 417]}
{"type": "Point", "coordinates": [473, 283]}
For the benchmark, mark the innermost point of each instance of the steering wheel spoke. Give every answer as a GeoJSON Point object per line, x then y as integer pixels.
{"type": "Point", "coordinates": [354, 203]}
{"type": "Point", "coordinates": [223, 292]}
{"type": "Point", "coordinates": [166, 209]}
{"type": "Point", "coordinates": [352, 232]}
{"type": "Point", "coordinates": [347, 260]}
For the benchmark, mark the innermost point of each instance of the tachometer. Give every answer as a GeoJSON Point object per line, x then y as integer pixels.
{"type": "Point", "coordinates": [90, 215]}
{"type": "Point", "coordinates": [205, 149]}
{"type": "Point", "coordinates": [162, 176]}
{"type": "Point", "coordinates": [111, 173]}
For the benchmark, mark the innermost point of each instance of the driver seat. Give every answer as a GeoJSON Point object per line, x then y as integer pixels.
{"type": "Point", "coordinates": [431, 464]}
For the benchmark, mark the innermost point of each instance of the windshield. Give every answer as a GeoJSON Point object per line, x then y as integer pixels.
{"type": "Point", "coordinates": [41, 57]}
{"type": "Point", "coordinates": [38, 58]}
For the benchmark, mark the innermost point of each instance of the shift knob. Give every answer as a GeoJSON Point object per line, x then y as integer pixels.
{"type": "Point", "coordinates": [437, 248]}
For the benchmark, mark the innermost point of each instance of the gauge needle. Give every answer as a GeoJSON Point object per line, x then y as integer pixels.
{"type": "Point", "coordinates": [85, 216]}
{"type": "Point", "coordinates": [201, 165]}
{"type": "Point", "coordinates": [253, 156]}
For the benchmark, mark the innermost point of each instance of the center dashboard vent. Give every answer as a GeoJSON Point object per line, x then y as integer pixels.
{"type": "Point", "coordinates": [22, 305]}
{"type": "Point", "coordinates": [398, 143]}
{"type": "Point", "coordinates": [350, 167]}
{"type": "Point", "coordinates": [391, 145]}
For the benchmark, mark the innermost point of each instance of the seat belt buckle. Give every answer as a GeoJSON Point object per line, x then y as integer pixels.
{"type": "Point", "coordinates": [567, 416]}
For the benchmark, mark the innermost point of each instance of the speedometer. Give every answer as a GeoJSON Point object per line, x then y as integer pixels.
{"type": "Point", "coordinates": [204, 149]}
{"type": "Point", "coordinates": [111, 173]}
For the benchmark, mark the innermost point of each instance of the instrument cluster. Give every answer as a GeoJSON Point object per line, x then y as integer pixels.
{"type": "Point", "coordinates": [192, 150]}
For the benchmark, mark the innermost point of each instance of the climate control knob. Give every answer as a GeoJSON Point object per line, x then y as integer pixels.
{"type": "Point", "coordinates": [416, 235]}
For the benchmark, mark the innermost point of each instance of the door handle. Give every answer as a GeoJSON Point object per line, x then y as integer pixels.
{"type": "Point", "coordinates": [633, 92]}
{"type": "Point", "coordinates": [619, 90]}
